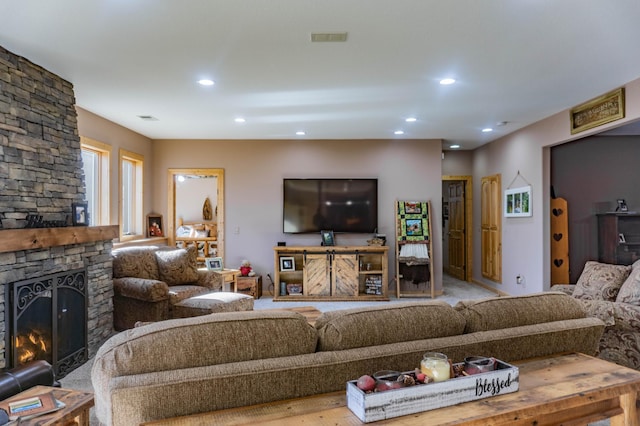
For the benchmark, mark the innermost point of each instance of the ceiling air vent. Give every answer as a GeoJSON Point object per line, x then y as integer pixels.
{"type": "Point", "coordinates": [328, 37]}
{"type": "Point", "coordinates": [147, 118]}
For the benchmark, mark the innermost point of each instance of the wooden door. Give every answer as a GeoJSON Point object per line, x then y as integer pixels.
{"type": "Point", "coordinates": [345, 275]}
{"type": "Point", "coordinates": [316, 280]}
{"type": "Point", "coordinates": [456, 235]}
{"type": "Point", "coordinates": [491, 231]}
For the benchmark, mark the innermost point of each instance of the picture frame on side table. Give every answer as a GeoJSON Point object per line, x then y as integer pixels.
{"type": "Point", "coordinates": [80, 214]}
{"type": "Point", "coordinates": [154, 226]}
{"type": "Point", "coordinates": [327, 238]}
{"type": "Point", "coordinates": [287, 264]}
{"type": "Point", "coordinates": [517, 202]}
{"type": "Point", "coordinates": [214, 263]}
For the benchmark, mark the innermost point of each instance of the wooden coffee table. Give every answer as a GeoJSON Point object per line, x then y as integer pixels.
{"type": "Point", "coordinates": [75, 412]}
{"type": "Point", "coordinates": [570, 389]}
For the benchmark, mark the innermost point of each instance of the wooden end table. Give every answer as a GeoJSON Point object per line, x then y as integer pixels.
{"type": "Point", "coordinates": [569, 389]}
{"type": "Point", "coordinates": [75, 412]}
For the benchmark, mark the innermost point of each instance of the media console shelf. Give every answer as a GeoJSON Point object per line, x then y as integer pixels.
{"type": "Point", "coordinates": [332, 273]}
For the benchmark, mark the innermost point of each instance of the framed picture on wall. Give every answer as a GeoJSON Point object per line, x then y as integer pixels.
{"type": "Point", "coordinates": [517, 202]}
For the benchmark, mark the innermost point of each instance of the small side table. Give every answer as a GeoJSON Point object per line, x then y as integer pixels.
{"type": "Point", "coordinates": [229, 276]}
{"type": "Point", "coordinates": [250, 285]}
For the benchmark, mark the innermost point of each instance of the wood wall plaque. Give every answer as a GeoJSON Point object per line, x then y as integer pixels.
{"type": "Point", "coordinates": [598, 111]}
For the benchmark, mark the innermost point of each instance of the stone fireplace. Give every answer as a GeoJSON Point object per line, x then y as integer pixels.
{"type": "Point", "coordinates": [41, 174]}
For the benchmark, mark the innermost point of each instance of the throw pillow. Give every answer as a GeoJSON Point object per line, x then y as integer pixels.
{"type": "Point", "coordinates": [600, 281]}
{"type": "Point", "coordinates": [178, 266]}
{"type": "Point", "coordinates": [630, 290]}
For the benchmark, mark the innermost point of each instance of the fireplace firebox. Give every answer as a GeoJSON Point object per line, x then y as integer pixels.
{"type": "Point", "coordinates": [47, 319]}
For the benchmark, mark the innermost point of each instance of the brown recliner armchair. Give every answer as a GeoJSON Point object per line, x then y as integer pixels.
{"type": "Point", "coordinates": [149, 280]}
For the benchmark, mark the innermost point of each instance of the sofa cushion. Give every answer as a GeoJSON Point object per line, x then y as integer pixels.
{"type": "Point", "coordinates": [178, 266]}
{"type": "Point", "coordinates": [600, 281]}
{"type": "Point", "coordinates": [379, 325]}
{"type": "Point", "coordinates": [136, 262]}
{"type": "Point", "coordinates": [514, 311]}
{"type": "Point", "coordinates": [220, 338]}
{"type": "Point", "coordinates": [630, 290]}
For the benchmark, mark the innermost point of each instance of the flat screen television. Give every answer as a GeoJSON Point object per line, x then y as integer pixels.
{"type": "Point", "coordinates": [339, 205]}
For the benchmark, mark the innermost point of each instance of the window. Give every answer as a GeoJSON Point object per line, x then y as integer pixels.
{"type": "Point", "coordinates": [131, 220]}
{"type": "Point", "coordinates": [95, 162]}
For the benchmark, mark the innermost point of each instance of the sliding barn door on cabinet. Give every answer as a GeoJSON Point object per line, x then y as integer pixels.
{"type": "Point", "coordinates": [414, 250]}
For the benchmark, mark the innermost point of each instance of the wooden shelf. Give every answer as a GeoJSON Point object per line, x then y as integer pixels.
{"type": "Point", "coordinates": [37, 238]}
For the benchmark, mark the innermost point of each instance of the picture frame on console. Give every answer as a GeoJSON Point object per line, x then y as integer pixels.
{"type": "Point", "coordinates": [287, 264]}
{"type": "Point", "coordinates": [80, 214]}
{"type": "Point", "coordinates": [214, 263]}
{"type": "Point", "coordinates": [327, 238]}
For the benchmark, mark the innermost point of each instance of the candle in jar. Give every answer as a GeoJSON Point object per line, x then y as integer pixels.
{"type": "Point", "coordinates": [436, 366]}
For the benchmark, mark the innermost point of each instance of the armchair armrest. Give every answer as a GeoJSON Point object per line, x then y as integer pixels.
{"type": "Point", "coordinates": [210, 279]}
{"type": "Point", "coordinates": [621, 316]}
{"type": "Point", "coordinates": [565, 288]}
{"type": "Point", "coordinates": [141, 289]}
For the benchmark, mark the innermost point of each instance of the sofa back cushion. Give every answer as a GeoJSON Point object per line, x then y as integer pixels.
{"type": "Point", "coordinates": [600, 281]}
{"type": "Point", "coordinates": [179, 266]}
{"type": "Point", "coordinates": [630, 289]}
{"type": "Point", "coordinates": [206, 340]}
{"type": "Point", "coordinates": [496, 313]}
{"type": "Point", "coordinates": [136, 262]}
{"type": "Point", "coordinates": [379, 325]}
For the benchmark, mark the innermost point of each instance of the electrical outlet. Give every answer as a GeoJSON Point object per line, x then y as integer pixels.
{"type": "Point", "coordinates": [236, 230]}
{"type": "Point", "coordinates": [519, 279]}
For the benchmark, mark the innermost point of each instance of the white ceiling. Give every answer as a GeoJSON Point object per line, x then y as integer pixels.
{"type": "Point", "coordinates": [514, 60]}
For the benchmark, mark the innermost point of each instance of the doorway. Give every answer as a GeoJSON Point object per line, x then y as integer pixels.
{"type": "Point", "coordinates": [457, 215]}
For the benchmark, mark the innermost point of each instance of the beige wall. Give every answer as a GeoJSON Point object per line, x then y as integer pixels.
{"type": "Point", "coordinates": [118, 137]}
{"type": "Point", "coordinates": [525, 241]}
{"type": "Point", "coordinates": [406, 169]}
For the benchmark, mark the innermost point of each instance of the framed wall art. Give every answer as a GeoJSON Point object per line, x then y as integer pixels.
{"type": "Point", "coordinates": [517, 202]}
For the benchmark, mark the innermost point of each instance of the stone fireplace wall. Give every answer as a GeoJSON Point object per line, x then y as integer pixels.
{"type": "Point", "coordinates": [41, 173]}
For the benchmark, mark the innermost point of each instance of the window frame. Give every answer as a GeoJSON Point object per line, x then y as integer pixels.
{"type": "Point", "coordinates": [138, 208]}
{"type": "Point", "coordinates": [99, 216]}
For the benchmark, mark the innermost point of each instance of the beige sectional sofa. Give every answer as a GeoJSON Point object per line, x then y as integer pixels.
{"type": "Point", "coordinates": [212, 362]}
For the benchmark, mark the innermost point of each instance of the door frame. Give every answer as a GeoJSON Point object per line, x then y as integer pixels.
{"type": "Point", "coordinates": [468, 223]}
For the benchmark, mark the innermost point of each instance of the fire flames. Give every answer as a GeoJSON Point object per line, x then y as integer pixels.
{"type": "Point", "coordinates": [31, 346]}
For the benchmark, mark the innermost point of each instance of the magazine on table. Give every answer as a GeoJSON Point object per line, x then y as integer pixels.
{"type": "Point", "coordinates": [27, 408]}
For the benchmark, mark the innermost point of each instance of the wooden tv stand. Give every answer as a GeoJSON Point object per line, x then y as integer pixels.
{"type": "Point", "coordinates": [332, 273]}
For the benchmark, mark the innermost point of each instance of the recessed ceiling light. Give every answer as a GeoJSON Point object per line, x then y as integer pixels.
{"type": "Point", "coordinates": [411, 119]}
{"type": "Point", "coordinates": [206, 82]}
{"type": "Point", "coordinates": [447, 81]}
{"type": "Point", "coordinates": [398, 132]}
{"type": "Point", "coordinates": [300, 133]}
{"type": "Point", "coordinates": [239, 120]}
{"type": "Point", "coordinates": [455, 146]}
{"type": "Point", "coordinates": [487, 130]}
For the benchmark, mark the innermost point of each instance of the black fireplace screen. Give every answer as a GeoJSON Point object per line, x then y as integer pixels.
{"type": "Point", "coordinates": [48, 320]}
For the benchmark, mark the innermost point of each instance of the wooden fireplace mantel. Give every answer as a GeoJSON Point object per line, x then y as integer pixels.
{"type": "Point", "coordinates": [37, 238]}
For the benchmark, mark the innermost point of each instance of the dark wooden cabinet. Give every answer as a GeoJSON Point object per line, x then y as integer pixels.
{"type": "Point", "coordinates": [618, 238]}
